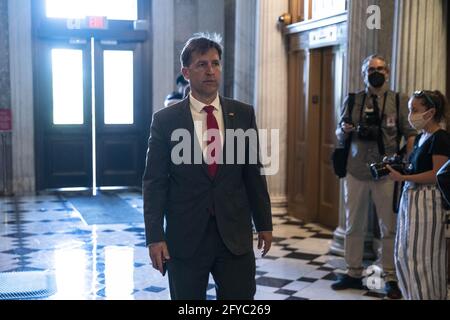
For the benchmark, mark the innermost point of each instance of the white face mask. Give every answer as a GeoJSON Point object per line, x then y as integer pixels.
{"type": "Point", "coordinates": [418, 121]}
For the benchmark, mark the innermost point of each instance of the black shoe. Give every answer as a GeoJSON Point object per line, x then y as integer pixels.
{"type": "Point", "coordinates": [392, 290]}
{"type": "Point", "coordinates": [347, 282]}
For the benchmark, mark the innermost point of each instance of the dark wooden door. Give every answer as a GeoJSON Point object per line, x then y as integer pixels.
{"type": "Point", "coordinates": [328, 195]}
{"type": "Point", "coordinates": [63, 114]}
{"type": "Point", "coordinates": [313, 189]}
{"type": "Point", "coordinates": [120, 122]}
{"type": "Point", "coordinates": [297, 135]}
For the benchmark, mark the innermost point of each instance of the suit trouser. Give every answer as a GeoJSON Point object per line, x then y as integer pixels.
{"type": "Point", "coordinates": [420, 247]}
{"type": "Point", "coordinates": [233, 275]}
{"type": "Point", "coordinates": [357, 194]}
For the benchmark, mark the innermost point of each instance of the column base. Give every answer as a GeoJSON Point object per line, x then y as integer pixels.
{"type": "Point", "coordinates": [337, 246]}
{"type": "Point", "coordinates": [279, 205]}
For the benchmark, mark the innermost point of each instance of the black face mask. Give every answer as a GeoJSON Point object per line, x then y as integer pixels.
{"type": "Point", "coordinates": [377, 79]}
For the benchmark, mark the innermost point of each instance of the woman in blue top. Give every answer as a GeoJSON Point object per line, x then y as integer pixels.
{"type": "Point", "coordinates": [420, 248]}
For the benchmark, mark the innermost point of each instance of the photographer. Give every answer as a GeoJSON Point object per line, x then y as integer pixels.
{"type": "Point", "coordinates": [377, 120]}
{"type": "Point", "coordinates": [420, 248]}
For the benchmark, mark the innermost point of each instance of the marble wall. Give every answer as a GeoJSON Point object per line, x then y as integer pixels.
{"type": "Point", "coordinates": [21, 73]}
{"type": "Point", "coordinates": [192, 16]}
{"type": "Point", "coordinates": [271, 96]}
{"type": "Point", "coordinates": [421, 46]}
{"type": "Point", "coordinates": [364, 41]}
{"type": "Point", "coordinates": [5, 100]}
{"type": "Point", "coordinates": [175, 21]}
{"type": "Point", "coordinates": [245, 51]}
{"type": "Point", "coordinates": [5, 89]}
{"type": "Point", "coordinates": [163, 51]}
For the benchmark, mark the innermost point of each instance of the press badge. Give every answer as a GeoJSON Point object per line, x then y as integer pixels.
{"type": "Point", "coordinates": [391, 121]}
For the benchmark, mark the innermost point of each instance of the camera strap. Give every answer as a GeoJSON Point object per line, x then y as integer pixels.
{"type": "Point", "coordinates": [397, 122]}
{"type": "Point", "coordinates": [381, 148]}
{"type": "Point", "coordinates": [397, 192]}
{"type": "Point", "coordinates": [363, 105]}
{"type": "Point", "coordinates": [380, 143]}
{"type": "Point", "coordinates": [350, 104]}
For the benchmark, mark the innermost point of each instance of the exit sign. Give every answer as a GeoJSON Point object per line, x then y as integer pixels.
{"type": "Point", "coordinates": [91, 22]}
{"type": "Point", "coordinates": [97, 22]}
{"type": "Point", "coordinates": [5, 120]}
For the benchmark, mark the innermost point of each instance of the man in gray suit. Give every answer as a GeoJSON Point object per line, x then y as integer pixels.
{"type": "Point", "coordinates": [208, 204]}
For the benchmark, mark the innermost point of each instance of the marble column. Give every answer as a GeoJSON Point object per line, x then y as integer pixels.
{"type": "Point", "coordinates": [244, 52]}
{"type": "Point", "coordinates": [193, 16]}
{"type": "Point", "coordinates": [211, 18]}
{"type": "Point", "coordinates": [163, 51]}
{"type": "Point", "coordinates": [362, 42]}
{"type": "Point", "coordinates": [5, 102]}
{"type": "Point", "coordinates": [20, 41]}
{"type": "Point", "coordinates": [271, 88]}
{"type": "Point", "coordinates": [421, 46]}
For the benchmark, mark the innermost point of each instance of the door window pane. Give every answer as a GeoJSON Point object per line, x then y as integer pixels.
{"type": "Point", "coordinates": [79, 9]}
{"type": "Point", "coordinates": [67, 83]}
{"type": "Point", "coordinates": [118, 81]}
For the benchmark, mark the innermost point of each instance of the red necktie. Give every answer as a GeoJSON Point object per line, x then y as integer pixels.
{"type": "Point", "coordinates": [213, 147]}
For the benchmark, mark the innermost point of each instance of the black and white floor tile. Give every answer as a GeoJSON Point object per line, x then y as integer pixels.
{"type": "Point", "coordinates": [111, 261]}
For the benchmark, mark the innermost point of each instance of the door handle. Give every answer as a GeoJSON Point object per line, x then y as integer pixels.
{"type": "Point", "coordinates": [109, 42]}
{"type": "Point", "coordinates": [77, 41]}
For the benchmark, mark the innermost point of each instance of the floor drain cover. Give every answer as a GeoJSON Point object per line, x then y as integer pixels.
{"type": "Point", "coordinates": [26, 285]}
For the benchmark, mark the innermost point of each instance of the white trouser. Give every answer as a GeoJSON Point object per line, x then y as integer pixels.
{"type": "Point", "coordinates": [357, 195]}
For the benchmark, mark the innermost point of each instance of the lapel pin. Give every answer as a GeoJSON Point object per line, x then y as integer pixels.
{"type": "Point", "coordinates": [231, 114]}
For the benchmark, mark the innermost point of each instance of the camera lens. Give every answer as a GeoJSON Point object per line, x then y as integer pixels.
{"type": "Point", "coordinates": [378, 170]}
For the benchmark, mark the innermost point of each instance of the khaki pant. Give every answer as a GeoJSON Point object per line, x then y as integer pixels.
{"type": "Point", "coordinates": [357, 194]}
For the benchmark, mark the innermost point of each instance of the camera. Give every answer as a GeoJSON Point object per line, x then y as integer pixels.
{"type": "Point", "coordinates": [379, 170]}
{"type": "Point", "coordinates": [368, 128]}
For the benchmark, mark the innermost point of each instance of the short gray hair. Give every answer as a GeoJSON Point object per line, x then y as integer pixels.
{"type": "Point", "coordinates": [365, 64]}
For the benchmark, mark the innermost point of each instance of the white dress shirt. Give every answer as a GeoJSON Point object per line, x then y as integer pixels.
{"type": "Point", "coordinates": [200, 125]}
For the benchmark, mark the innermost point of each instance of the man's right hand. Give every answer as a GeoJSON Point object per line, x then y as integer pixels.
{"type": "Point", "coordinates": [159, 254]}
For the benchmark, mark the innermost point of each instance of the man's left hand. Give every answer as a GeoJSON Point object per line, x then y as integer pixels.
{"type": "Point", "coordinates": [264, 241]}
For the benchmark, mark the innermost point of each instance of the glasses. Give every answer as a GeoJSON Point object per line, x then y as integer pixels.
{"type": "Point", "coordinates": [379, 69]}
{"type": "Point", "coordinates": [423, 94]}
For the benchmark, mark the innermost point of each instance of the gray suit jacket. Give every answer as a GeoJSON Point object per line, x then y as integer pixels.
{"type": "Point", "coordinates": [184, 193]}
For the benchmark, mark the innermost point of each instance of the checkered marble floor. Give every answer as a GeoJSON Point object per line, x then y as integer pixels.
{"type": "Point", "coordinates": [111, 261]}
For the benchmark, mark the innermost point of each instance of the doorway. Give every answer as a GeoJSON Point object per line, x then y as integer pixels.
{"type": "Point", "coordinates": [92, 114]}
{"type": "Point", "coordinates": [323, 64]}
{"type": "Point", "coordinates": [316, 78]}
